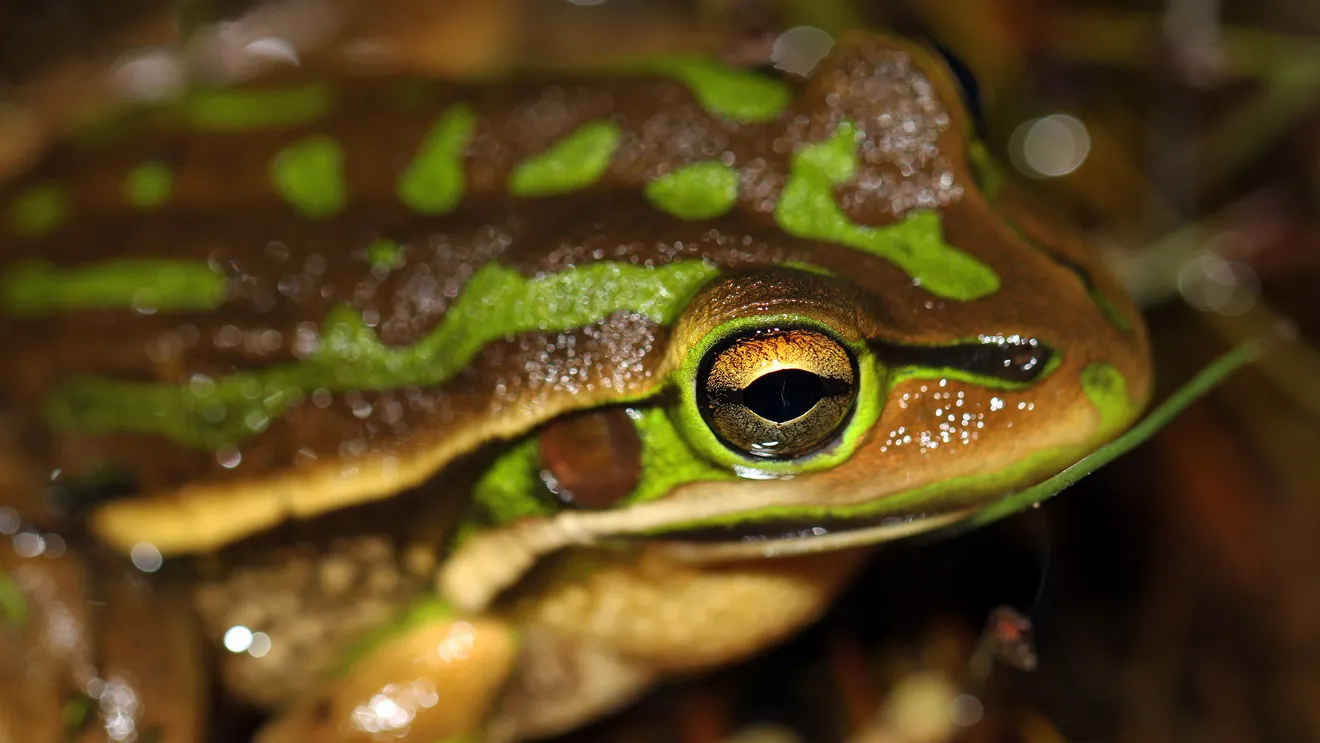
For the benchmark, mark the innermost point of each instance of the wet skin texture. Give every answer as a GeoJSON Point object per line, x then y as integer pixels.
{"type": "Point", "coordinates": [434, 307]}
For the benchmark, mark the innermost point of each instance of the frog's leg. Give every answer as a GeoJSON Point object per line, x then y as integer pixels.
{"type": "Point", "coordinates": [602, 625]}
{"type": "Point", "coordinates": [590, 631]}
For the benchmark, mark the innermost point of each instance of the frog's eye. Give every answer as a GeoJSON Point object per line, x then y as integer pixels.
{"type": "Point", "coordinates": [777, 393]}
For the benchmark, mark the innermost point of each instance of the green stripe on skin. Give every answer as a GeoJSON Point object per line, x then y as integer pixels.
{"type": "Point", "coordinates": [511, 488]}
{"type": "Point", "coordinates": [740, 95]}
{"type": "Point", "coordinates": [241, 110]}
{"type": "Point", "coordinates": [667, 459]}
{"type": "Point", "coordinates": [703, 190]}
{"type": "Point", "coordinates": [574, 162]}
{"type": "Point", "coordinates": [867, 406]}
{"type": "Point", "coordinates": [435, 180]}
{"type": "Point", "coordinates": [38, 209]}
{"type": "Point", "coordinates": [309, 175]}
{"type": "Point", "coordinates": [497, 302]}
{"type": "Point", "coordinates": [149, 185]}
{"type": "Point", "coordinates": [807, 208]}
{"type": "Point", "coordinates": [215, 110]}
{"type": "Point", "coordinates": [37, 288]}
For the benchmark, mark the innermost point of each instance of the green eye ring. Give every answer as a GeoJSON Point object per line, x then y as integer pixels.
{"type": "Point", "coordinates": [831, 444]}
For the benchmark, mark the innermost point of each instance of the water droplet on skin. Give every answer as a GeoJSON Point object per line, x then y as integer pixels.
{"type": "Point", "coordinates": [229, 457]}
{"type": "Point", "coordinates": [260, 645]}
{"type": "Point", "coordinates": [145, 302]}
{"type": "Point", "coordinates": [256, 421]}
{"type": "Point", "coordinates": [9, 520]}
{"type": "Point", "coordinates": [149, 75]}
{"type": "Point", "coordinates": [28, 544]}
{"type": "Point", "coordinates": [273, 49]}
{"type": "Point", "coordinates": [238, 639]}
{"type": "Point", "coordinates": [55, 546]}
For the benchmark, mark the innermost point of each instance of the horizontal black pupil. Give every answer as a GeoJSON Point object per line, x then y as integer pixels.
{"type": "Point", "coordinates": [783, 395]}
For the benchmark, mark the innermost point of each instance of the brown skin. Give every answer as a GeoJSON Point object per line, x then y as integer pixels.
{"type": "Point", "coordinates": [660, 120]}
{"type": "Point", "coordinates": [566, 607]}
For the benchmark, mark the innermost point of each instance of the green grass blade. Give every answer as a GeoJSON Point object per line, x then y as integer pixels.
{"type": "Point", "coordinates": [1196, 388]}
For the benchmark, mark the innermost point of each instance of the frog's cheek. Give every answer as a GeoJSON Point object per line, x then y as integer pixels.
{"type": "Point", "coordinates": [436, 680]}
{"type": "Point", "coordinates": [940, 450]}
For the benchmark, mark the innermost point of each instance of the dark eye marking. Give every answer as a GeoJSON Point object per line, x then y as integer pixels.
{"type": "Point", "coordinates": [1011, 360]}
{"type": "Point", "coordinates": [967, 84]}
{"type": "Point", "coordinates": [1101, 300]}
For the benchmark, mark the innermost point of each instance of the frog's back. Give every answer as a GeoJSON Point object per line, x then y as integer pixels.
{"type": "Point", "coordinates": [335, 290]}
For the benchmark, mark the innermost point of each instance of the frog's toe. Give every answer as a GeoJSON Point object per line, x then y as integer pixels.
{"type": "Point", "coordinates": [434, 680]}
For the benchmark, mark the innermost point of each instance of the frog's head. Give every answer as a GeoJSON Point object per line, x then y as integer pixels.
{"type": "Point", "coordinates": [800, 411]}
{"type": "Point", "coordinates": [841, 328]}
{"type": "Point", "coordinates": [935, 346]}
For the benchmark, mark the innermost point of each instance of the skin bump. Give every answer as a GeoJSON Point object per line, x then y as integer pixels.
{"type": "Point", "coordinates": [434, 181]}
{"type": "Point", "coordinates": [699, 191]}
{"type": "Point", "coordinates": [807, 208]}
{"type": "Point", "coordinates": [575, 162]}
{"type": "Point", "coordinates": [149, 185]}
{"type": "Point", "coordinates": [309, 175]}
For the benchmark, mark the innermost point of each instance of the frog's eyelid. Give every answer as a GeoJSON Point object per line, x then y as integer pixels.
{"type": "Point", "coordinates": [1195, 388]}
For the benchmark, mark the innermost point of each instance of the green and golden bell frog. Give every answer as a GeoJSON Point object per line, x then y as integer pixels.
{"type": "Point", "coordinates": [475, 411]}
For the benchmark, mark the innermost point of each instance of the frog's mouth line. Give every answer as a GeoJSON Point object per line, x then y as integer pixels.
{"type": "Point", "coordinates": [783, 538]}
{"type": "Point", "coordinates": [486, 565]}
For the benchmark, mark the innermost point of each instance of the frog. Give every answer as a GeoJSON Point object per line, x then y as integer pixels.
{"type": "Point", "coordinates": [444, 410]}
